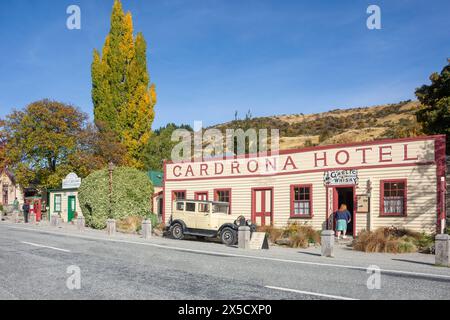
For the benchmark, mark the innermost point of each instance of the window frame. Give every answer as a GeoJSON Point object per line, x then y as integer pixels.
{"type": "Point", "coordinates": [198, 193]}
{"type": "Point", "coordinates": [58, 195]}
{"type": "Point", "coordinates": [216, 197]}
{"type": "Point", "coordinates": [292, 214]}
{"type": "Point", "coordinates": [405, 198]}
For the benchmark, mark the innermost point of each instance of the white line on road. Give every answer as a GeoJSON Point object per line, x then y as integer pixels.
{"type": "Point", "coordinates": [42, 246]}
{"type": "Point", "coordinates": [311, 293]}
{"type": "Point", "coordinates": [408, 273]}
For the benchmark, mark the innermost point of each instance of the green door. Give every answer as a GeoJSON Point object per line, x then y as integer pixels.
{"type": "Point", "coordinates": [71, 209]}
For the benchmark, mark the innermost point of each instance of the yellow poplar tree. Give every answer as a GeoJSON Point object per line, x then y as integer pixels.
{"type": "Point", "coordinates": [122, 94]}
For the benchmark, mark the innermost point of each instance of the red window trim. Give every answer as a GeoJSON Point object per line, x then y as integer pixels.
{"type": "Point", "coordinates": [222, 189]}
{"type": "Point", "coordinates": [311, 211]}
{"type": "Point", "coordinates": [174, 191]}
{"type": "Point", "coordinates": [405, 198]}
{"type": "Point", "coordinates": [197, 193]}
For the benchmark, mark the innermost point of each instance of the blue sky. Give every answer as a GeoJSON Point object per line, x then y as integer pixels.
{"type": "Point", "coordinates": [209, 58]}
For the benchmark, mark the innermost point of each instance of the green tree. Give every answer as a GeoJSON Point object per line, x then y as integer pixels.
{"type": "Point", "coordinates": [160, 146]}
{"type": "Point", "coordinates": [434, 115]}
{"type": "Point", "coordinates": [40, 140]}
{"type": "Point", "coordinates": [47, 140]}
{"type": "Point", "coordinates": [122, 94]}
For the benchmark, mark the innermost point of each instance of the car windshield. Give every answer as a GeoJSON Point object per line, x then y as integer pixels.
{"type": "Point", "coordinates": [220, 208]}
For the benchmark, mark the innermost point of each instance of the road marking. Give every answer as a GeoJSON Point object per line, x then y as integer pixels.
{"type": "Point", "coordinates": [311, 293]}
{"type": "Point", "coordinates": [42, 246]}
{"type": "Point", "coordinates": [410, 273]}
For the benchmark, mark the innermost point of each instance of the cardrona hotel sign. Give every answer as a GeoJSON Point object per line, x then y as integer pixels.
{"type": "Point", "coordinates": [330, 160]}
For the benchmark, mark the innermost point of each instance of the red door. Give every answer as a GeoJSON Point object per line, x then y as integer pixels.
{"type": "Point", "coordinates": [262, 206]}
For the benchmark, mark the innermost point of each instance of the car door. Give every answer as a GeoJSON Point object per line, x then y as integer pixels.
{"type": "Point", "coordinates": [203, 219]}
{"type": "Point", "coordinates": [189, 216]}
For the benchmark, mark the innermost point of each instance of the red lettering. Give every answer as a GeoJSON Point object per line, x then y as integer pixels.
{"type": "Point", "coordinates": [382, 153]}
{"type": "Point", "coordinates": [324, 159]}
{"type": "Point", "coordinates": [405, 154]}
{"type": "Point", "coordinates": [273, 164]}
{"type": "Point", "coordinates": [363, 153]}
{"type": "Point", "coordinates": [289, 162]}
{"type": "Point", "coordinates": [256, 166]}
{"type": "Point", "coordinates": [235, 166]}
{"type": "Point", "coordinates": [179, 169]}
{"type": "Point", "coordinates": [189, 171]}
{"type": "Point", "coordinates": [347, 157]}
{"type": "Point", "coordinates": [204, 169]}
{"type": "Point", "coordinates": [215, 168]}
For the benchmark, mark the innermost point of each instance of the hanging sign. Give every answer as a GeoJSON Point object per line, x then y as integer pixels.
{"type": "Point", "coordinates": [340, 177]}
{"type": "Point", "coordinates": [72, 181]}
{"type": "Point", "coordinates": [362, 203]}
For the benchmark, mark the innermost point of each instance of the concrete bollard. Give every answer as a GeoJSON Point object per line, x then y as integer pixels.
{"type": "Point", "coordinates": [442, 250]}
{"type": "Point", "coordinates": [15, 216]}
{"type": "Point", "coordinates": [32, 218]}
{"type": "Point", "coordinates": [147, 229]}
{"type": "Point", "coordinates": [54, 220]}
{"type": "Point", "coordinates": [244, 237]}
{"type": "Point", "coordinates": [327, 243]}
{"type": "Point", "coordinates": [81, 223]}
{"type": "Point", "coordinates": [111, 227]}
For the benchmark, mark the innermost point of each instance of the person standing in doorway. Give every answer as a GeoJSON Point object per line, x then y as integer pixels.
{"type": "Point", "coordinates": [343, 217]}
{"type": "Point", "coordinates": [26, 211]}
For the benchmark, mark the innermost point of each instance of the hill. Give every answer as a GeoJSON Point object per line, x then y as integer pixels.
{"type": "Point", "coordinates": [338, 126]}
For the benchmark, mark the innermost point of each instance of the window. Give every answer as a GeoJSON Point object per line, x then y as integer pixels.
{"type": "Point", "coordinates": [190, 206]}
{"type": "Point", "coordinates": [203, 207]}
{"type": "Point", "coordinates": [179, 195]}
{"type": "Point", "coordinates": [219, 208]}
{"type": "Point", "coordinates": [301, 201]}
{"type": "Point", "coordinates": [57, 203]}
{"type": "Point", "coordinates": [180, 206]}
{"type": "Point", "coordinates": [393, 198]}
{"type": "Point", "coordinates": [223, 195]}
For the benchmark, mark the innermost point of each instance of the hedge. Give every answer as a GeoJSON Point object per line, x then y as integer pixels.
{"type": "Point", "coordinates": [132, 192]}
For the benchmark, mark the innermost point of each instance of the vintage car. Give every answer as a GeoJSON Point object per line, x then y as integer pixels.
{"type": "Point", "coordinates": [207, 219]}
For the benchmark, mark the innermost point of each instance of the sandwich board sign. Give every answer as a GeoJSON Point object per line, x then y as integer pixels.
{"type": "Point", "coordinates": [259, 241]}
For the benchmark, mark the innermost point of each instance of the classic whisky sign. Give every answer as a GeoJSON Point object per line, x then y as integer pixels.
{"type": "Point", "coordinates": [340, 177]}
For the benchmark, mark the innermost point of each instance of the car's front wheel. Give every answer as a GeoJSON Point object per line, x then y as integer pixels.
{"type": "Point", "coordinates": [176, 231]}
{"type": "Point", "coordinates": [228, 236]}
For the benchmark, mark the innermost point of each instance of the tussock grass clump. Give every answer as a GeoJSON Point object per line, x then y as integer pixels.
{"type": "Point", "coordinates": [393, 240]}
{"type": "Point", "coordinates": [294, 235]}
{"type": "Point", "coordinates": [131, 224]}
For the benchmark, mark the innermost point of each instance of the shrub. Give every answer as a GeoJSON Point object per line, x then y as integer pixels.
{"type": "Point", "coordinates": [393, 240]}
{"type": "Point", "coordinates": [132, 191]}
{"type": "Point", "coordinates": [294, 235]}
{"type": "Point", "coordinates": [1, 207]}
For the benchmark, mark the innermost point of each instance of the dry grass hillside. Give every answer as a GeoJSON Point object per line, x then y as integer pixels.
{"type": "Point", "coordinates": [338, 126]}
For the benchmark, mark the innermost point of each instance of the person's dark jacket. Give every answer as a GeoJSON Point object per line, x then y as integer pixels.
{"type": "Point", "coordinates": [26, 208]}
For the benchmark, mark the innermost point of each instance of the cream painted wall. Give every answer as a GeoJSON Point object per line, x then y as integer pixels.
{"type": "Point", "coordinates": [421, 189]}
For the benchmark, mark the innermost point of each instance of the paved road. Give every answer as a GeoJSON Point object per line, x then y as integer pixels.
{"type": "Point", "coordinates": [33, 265]}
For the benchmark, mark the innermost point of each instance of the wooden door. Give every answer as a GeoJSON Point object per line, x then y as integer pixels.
{"type": "Point", "coordinates": [262, 206]}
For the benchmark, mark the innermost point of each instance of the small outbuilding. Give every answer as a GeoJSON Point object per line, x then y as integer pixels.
{"type": "Point", "coordinates": [64, 201]}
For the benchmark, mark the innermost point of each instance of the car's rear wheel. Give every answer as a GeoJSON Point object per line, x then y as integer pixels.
{"type": "Point", "coordinates": [176, 231]}
{"type": "Point", "coordinates": [228, 236]}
